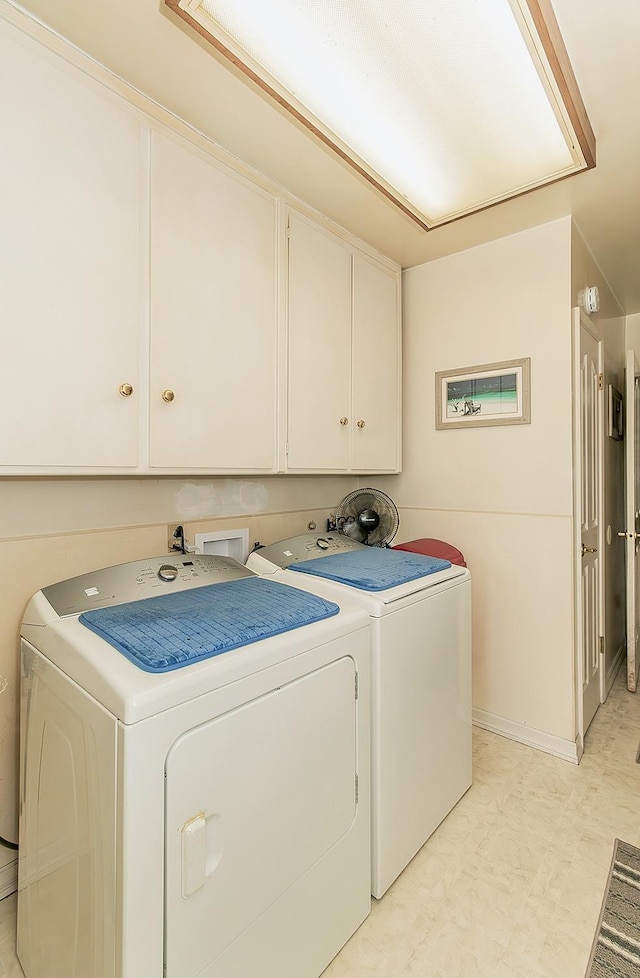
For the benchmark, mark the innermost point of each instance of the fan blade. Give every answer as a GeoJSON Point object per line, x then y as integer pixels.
{"type": "Point", "coordinates": [386, 529]}
{"type": "Point", "coordinates": [377, 539]}
{"type": "Point", "coordinates": [357, 500]}
{"type": "Point", "coordinates": [351, 529]}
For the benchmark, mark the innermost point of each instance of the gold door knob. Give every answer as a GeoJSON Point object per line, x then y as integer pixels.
{"type": "Point", "coordinates": [168, 396]}
{"type": "Point", "coordinates": [344, 421]}
{"type": "Point", "coordinates": [126, 390]}
{"type": "Point", "coordinates": [361, 424]}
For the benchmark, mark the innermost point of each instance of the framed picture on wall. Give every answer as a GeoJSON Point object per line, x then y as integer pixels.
{"type": "Point", "coordinates": [488, 394]}
{"type": "Point", "coordinates": [616, 414]}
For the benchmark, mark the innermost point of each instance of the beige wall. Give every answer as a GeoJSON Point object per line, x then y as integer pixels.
{"type": "Point", "coordinates": [52, 529]}
{"type": "Point", "coordinates": [503, 495]}
{"type": "Point", "coordinates": [632, 341]}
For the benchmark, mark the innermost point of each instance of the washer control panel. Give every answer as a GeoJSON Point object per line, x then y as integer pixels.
{"type": "Point", "coordinates": [141, 579]}
{"type": "Point", "coordinates": [307, 547]}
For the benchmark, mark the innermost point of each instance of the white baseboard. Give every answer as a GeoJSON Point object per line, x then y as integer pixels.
{"type": "Point", "coordinates": [614, 667]}
{"type": "Point", "coordinates": [8, 879]}
{"type": "Point", "coordinates": [568, 750]}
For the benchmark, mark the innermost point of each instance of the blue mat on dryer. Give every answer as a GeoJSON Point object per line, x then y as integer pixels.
{"type": "Point", "coordinates": [372, 569]}
{"type": "Point", "coordinates": [176, 630]}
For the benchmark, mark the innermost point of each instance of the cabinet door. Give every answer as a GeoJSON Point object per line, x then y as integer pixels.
{"type": "Point", "coordinates": [69, 266]}
{"type": "Point", "coordinates": [376, 367]}
{"type": "Point", "coordinates": [213, 315]}
{"type": "Point", "coordinates": [319, 348]}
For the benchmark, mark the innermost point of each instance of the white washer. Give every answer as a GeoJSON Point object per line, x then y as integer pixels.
{"type": "Point", "coordinates": [420, 684]}
{"type": "Point", "coordinates": [209, 820]}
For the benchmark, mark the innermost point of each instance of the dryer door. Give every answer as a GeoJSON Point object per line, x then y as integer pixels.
{"type": "Point", "coordinates": [254, 799]}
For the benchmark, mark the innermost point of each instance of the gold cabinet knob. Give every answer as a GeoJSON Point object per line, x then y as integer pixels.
{"type": "Point", "coordinates": [126, 390]}
{"type": "Point", "coordinates": [361, 424]}
{"type": "Point", "coordinates": [168, 396]}
{"type": "Point", "coordinates": [344, 421]}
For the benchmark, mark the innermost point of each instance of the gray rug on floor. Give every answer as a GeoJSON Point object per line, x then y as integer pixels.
{"type": "Point", "coordinates": [616, 947]}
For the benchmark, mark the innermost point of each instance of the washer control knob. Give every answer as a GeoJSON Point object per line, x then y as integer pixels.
{"type": "Point", "coordinates": [168, 572]}
{"type": "Point", "coordinates": [322, 543]}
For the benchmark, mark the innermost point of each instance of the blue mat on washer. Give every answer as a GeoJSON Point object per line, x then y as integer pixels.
{"type": "Point", "coordinates": [373, 569]}
{"type": "Point", "coordinates": [175, 630]}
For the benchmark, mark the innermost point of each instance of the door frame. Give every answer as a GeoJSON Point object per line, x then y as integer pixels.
{"type": "Point", "coordinates": [631, 503]}
{"type": "Point", "coordinates": [580, 319]}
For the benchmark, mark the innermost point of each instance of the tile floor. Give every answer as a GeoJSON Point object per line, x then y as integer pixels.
{"type": "Point", "coordinates": [510, 885]}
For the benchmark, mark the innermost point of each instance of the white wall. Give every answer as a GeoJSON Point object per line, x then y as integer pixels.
{"type": "Point", "coordinates": [503, 494]}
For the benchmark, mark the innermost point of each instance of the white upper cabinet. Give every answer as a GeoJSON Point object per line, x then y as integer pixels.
{"type": "Point", "coordinates": [162, 310]}
{"type": "Point", "coordinates": [213, 315]}
{"type": "Point", "coordinates": [344, 355]}
{"type": "Point", "coordinates": [319, 299]}
{"type": "Point", "coordinates": [69, 267]}
{"type": "Point", "coordinates": [376, 367]}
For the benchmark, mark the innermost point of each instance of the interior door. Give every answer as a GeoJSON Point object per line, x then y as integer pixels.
{"type": "Point", "coordinates": [632, 504]}
{"type": "Point", "coordinates": [589, 537]}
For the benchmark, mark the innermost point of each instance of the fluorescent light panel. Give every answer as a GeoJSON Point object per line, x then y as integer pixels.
{"type": "Point", "coordinates": [448, 106]}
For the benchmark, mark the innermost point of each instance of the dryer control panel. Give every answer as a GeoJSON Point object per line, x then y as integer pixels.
{"type": "Point", "coordinates": [307, 547]}
{"type": "Point", "coordinates": [141, 579]}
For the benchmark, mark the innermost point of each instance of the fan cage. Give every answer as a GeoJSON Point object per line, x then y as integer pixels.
{"type": "Point", "coordinates": [355, 504]}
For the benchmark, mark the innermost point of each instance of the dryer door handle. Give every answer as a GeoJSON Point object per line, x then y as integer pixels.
{"type": "Point", "coordinates": [194, 855]}
{"type": "Point", "coordinates": [201, 851]}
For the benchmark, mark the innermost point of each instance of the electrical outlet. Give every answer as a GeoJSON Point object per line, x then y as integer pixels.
{"type": "Point", "coordinates": [175, 534]}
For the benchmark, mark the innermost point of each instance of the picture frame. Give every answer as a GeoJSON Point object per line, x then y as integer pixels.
{"type": "Point", "coordinates": [615, 414]}
{"type": "Point", "coordinates": [483, 395]}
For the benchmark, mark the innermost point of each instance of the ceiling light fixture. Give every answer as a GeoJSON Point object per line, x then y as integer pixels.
{"type": "Point", "coordinates": [446, 106]}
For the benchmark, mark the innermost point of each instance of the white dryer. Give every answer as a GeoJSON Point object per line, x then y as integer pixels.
{"type": "Point", "coordinates": [194, 794]}
{"type": "Point", "coordinates": [420, 609]}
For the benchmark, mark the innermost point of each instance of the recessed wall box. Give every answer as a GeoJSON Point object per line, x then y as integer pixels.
{"type": "Point", "coordinates": [226, 543]}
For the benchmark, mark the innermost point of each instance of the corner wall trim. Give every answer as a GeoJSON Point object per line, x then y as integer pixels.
{"type": "Point", "coordinates": [8, 879]}
{"type": "Point", "coordinates": [568, 750]}
{"type": "Point", "coordinates": [613, 669]}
